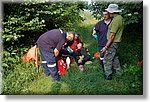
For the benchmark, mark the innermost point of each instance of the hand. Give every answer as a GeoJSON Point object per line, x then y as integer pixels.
{"type": "Point", "coordinates": [80, 60]}
{"type": "Point", "coordinates": [56, 52]}
{"type": "Point", "coordinates": [103, 50]}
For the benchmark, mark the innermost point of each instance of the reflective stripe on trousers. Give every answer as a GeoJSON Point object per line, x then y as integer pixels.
{"type": "Point", "coordinates": [49, 65]}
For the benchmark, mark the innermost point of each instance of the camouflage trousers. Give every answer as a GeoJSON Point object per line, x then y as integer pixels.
{"type": "Point", "coordinates": [111, 61]}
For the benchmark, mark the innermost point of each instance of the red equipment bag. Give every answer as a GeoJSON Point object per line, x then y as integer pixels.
{"type": "Point", "coordinates": [61, 67]}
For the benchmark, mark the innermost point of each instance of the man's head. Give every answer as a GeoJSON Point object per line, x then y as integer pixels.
{"type": "Point", "coordinates": [113, 9]}
{"type": "Point", "coordinates": [106, 15]}
{"type": "Point", "coordinates": [80, 45]}
{"type": "Point", "coordinates": [70, 36]}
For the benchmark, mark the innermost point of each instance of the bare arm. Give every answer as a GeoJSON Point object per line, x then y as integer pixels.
{"type": "Point", "coordinates": [110, 40]}
{"type": "Point", "coordinates": [94, 32]}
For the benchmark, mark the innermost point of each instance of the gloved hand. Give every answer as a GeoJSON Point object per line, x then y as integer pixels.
{"type": "Point", "coordinates": [95, 36]}
{"type": "Point", "coordinates": [68, 49]}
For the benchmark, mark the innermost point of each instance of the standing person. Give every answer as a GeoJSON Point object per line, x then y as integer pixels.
{"type": "Point", "coordinates": [50, 43]}
{"type": "Point", "coordinates": [102, 27]}
{"type": "Point", "coordinates": [114, 34]}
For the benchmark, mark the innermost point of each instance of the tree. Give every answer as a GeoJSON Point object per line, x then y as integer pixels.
{"type": "Point", "coordinates": [132, 12]}
{"type": "Point", "coordinates": [26, 21]}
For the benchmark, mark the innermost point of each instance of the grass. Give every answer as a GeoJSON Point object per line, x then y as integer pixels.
{"type": "Point", "coordinates": [91, 80]}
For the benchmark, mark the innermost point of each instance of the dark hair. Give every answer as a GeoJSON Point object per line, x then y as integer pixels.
{"type": "Point", "coordinates": [105, 11]}
{"type": "Point", "coordinates": [81, 43]}
{"type": "Point", "coordinates": [116, 12]}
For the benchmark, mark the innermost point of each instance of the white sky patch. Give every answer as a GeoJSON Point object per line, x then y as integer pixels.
{"type": "Point", "coordinates": [89, 1]}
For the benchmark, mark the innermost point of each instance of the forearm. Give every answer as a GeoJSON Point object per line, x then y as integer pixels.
{"type": "Point", "coordinates": [110, 40]}
{"type": "Point", "coordinates": [94, 32]}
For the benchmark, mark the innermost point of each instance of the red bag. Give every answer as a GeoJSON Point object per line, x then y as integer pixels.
{"type": "Point", "coordinates": [61, 67]}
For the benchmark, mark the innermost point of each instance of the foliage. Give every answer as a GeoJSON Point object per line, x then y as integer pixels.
{"type": "Point", "coordinates": [132, 12]}
{"type": "Point", "coordinates": [17, 79]}
{"type": "Point", "coordinates": [27, 21]}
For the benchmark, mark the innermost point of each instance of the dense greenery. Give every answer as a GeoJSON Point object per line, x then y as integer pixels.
{"type": "Point", "coordinates": [29, 20]}
{"type": "Point", "coordinates": [132, 12]}
{"type": "Point", "coordinates": [24, 22]}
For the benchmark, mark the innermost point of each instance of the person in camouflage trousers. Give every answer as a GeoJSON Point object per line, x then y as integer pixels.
{"type": "Point", "coordinates": [114, 34]}
{"type": "Point", "coordinates": [111, 61]}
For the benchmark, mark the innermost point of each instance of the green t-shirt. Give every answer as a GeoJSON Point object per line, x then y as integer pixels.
{"type": "Point", "coordinates": [116, 26]}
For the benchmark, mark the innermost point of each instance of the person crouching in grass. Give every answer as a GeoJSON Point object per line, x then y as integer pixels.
{"type": "Point", "coordinates": [82, 56]}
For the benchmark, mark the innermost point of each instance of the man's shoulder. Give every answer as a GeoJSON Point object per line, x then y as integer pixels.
{"type": "Point", "coordinates": [101, 21]}
{"type": "Point", "coordinates": [118, 17]}
{"type": "Point", "coordinates": [54, 31]}
{"type": "Point", "coordinates": [53, 34]}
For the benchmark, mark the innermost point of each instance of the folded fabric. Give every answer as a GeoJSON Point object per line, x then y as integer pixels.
{"type": "Point", "coordinates": [31, 54]}
{"type": "Point", "coordinates": [97, 55]}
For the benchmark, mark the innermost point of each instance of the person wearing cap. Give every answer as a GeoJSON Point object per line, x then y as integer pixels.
{"type": "Point", "coordinates": [50, 43]}
{"type": "Point", "coordinates": [114, 34]}
{"type": "Point", "coordinates": [102, 27]}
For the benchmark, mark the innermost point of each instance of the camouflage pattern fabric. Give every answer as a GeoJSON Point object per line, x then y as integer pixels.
{"type": "Point", "coordinates": [111, 61]}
